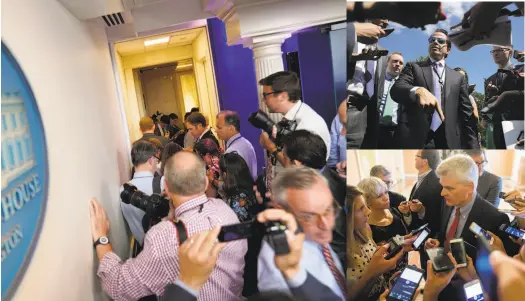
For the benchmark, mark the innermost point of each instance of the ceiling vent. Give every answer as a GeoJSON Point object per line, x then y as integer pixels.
{"type": "Point", "coordinates": [113, 19]}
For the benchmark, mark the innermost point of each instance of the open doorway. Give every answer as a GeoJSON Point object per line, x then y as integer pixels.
{"type": "Point", "coordinates": [169, 73]}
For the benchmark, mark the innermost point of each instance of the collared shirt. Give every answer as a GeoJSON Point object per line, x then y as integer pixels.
{"type": "Point", "coordinates": [244, 148]}
{"type": "Point", "coordinates": [421, 177]}
{"type": "Point", "coordinates": [464, 212]}
{"type": "Point", "coordinates": [440, 70]}
{"type": "Point", "coordinates": [158, 264]}
{"type": "Point", "coordinates": [312, 260]}
{"type": "Point", "coordinates": [308, 119]}
{"type": "Point", "coordinates": [144, 182]}
{"type": "Point", "coordinates": [337, 143]}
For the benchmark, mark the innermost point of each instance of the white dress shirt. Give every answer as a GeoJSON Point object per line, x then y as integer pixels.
{"type": "Point", "coordinates": [308, 119]}
{"type": "Point", "coordinates": [357, 83]}
{"type": "Point", "coordinates": [270, 278]}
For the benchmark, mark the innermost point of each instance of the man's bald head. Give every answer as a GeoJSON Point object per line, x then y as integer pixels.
{"type": "Point", "coordinates": [185, 174]}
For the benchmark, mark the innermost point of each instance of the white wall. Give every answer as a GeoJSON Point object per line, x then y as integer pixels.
{"type": "Point", "coordinates": [205, 77]}
{"type": "Point", "coordinates": [68, 66]}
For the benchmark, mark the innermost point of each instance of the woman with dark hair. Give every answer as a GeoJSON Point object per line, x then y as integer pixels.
{"type": "Point", "coordinates": [208, 150]}
{"type": "Point", "coordinates": [169, 150]}
{"type": "Point", "coordinates": [238, 186]}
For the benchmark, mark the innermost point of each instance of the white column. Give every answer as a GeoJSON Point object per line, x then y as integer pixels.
{"type": "Point", "coordinates": [268, 59]}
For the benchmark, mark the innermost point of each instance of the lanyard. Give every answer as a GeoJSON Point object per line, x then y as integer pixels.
{"type": "Point", "coordinates": [440, 77]}
{"type": "Point", "coordinates": [228, 146]}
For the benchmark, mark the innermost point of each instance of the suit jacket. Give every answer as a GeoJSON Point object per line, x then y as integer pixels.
{"type": "Point", "coordinates": [429, 194]}
{"type": "Point", "coordinates": [174, 292]}
{"type": "Point", "coordinates": [395, 199]}
{"type": "Point", "coordinates": [363, 118]}
{"type": "Point", "coordinates": [209, 134]}
{"type": "Point", "coordinates": [489, 187]}
{"type": "Point", "coordinates": [338, 188]}
{"type": "Point", "coordinates": [313, 290]}
{"type": "Point", "coordinates": [487, 217]}
{"type": "Point", "coordinates": [414, 122]}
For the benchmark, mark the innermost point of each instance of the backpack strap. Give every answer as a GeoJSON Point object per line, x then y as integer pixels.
{"type": "Point", "coordinates": [156, 184]}
{"type": "Point", "coordinates": [182, 232]}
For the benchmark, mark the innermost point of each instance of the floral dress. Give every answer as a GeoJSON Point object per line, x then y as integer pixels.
{"type": "Point", "coordinates": [353, 274]}
{"type": "Point", "coordinates": [244, 204]}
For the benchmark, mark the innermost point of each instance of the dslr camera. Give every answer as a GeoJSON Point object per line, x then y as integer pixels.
{"type": "Point", "coordinates": [156, 206]}
{"type": "Point", "coordinates": [273, 231]}
{"type": "Point", "coordinates": [262, 121]}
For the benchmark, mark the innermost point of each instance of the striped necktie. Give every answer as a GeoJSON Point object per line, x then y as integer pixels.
{"type": "Point", "coordinates": [333, 268]}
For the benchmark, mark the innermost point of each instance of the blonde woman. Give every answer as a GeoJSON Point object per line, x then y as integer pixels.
{"type": "Point", "coordinates": [385, 222]}
{"type": "Point", "coordinates": [366, 262]}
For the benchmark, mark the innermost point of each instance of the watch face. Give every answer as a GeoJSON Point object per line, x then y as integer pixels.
{"type": "Point", "coordinates": [104, 240]}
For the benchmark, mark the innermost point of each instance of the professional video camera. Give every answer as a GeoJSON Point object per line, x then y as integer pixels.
{"type": "Point", "coordinates": [262, 121]}
{"type": "Point", "coordinates": [273, 231]}
{"type": "Point", "coordinates": [155, 205]}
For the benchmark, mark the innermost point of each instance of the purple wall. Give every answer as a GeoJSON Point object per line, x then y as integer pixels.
{"type": "Point", "coordinates": [317, 80]}
{"type": "Point", "coordinates": [236, 82]}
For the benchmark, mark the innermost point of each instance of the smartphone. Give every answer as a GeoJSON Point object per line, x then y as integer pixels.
{"type": "Point", "coordinates": [457, 247]}
{"type": "Point", "coordinates": [440, 260]}
{"type": "Point", "coordinates": [502, 195]}
{"type": "Point", "coordinates": [473, 291]}
{"type": "Point", "coordinates": [512, 231]}
{"type": "Point", "coordinates": [416, 231]}
{"type": "Point", "coordinates": [486, 274]}
{"type": "Point", "coordinates": [476, 229]}
{"type": "Point", "coordinates": [387, 31]}
{"type": "Point", "coordinates": [405, 287]}
{"type": "Point", "coordinates": [421, 238]}
{"type": "Point", "coordinates": [395, 246]}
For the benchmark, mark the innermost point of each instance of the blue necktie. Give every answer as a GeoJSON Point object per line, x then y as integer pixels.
{"type": "Point", "coordinates": [436, 120]}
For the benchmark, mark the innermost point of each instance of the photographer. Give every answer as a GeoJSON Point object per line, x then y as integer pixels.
{"type": "Point", "coordinates": [281, 94]}
{"type": "Point", "coordinates": [145, 158]}
{"type": "Point", "coordinates": [303, 148]}
{"type": "Point", "coordinates": [158, 264]}
{"type": "Point", "coordinates": [305, 193]}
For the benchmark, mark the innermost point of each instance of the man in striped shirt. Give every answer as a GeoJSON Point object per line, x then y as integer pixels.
{"type": "Point", "coordinates": [158, 265]}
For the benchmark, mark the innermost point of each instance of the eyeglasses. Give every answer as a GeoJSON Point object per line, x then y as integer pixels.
{"type": "Point", "coordinates": [156, 157]}
{"type": "Point", "coordinates": [481, 163]}
{"type": "Point", "coordinates": [499, 50]}
{"type": "Point", "coordinates": [311, 218]}
{"type": "Point", "coordinates": [439, 41]}
{"type": "Point", "coordinates": [264, 94]}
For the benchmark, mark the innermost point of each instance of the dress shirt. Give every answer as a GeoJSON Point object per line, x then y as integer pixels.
{"type": "Point", "coordinates": [244, 148]}
{"type": "Point", "coordinates": [464, 211]}
{"type": "Point", "coordinates": [158, 265]}
{"type": "Point", "coordinates": [308, 119]}
{"type": "Point", "coordinates": [420, 178]}
{"type": "Point", "coordinates": [312, 261]}
{"type": "Point", "coordinates": [143, 181]}
{"type": "Point", "coordinates": [358, 83]}
{"type": "Point", "coordinates": [390, 105]}
{"type": "Point", "coordinates": [337, 143]}
{"type": "Point", "coordinates": [434, 76]}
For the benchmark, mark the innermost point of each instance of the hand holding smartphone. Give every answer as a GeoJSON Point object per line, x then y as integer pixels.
{"type": "Point", "coordinates": [406, 285]}
{"type": "Point", "coordinates": [512, 231]}
{"type": "Point", "coordinates": [440, 260]}
{"type": "Point", "coordinates": [457, 247]}
{"type": "Point", "coordinates": [423, 235]}
{"type": "Point", "coordinates": [476, 229]}
{"type": "Point", "coordinates": [473, 291]}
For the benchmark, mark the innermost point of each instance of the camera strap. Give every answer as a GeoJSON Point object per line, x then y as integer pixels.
{"type": "Point", "coordinates": [182, 232]}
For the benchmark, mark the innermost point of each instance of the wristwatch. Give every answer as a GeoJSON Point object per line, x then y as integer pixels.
{"type": "Point", "coordinates": [103, 240]}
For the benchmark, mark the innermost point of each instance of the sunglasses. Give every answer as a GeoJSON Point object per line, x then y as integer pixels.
{"type": "Point", "coordinates": [499, 50]}
{"type": "Point", "coordinates": [440, 41]}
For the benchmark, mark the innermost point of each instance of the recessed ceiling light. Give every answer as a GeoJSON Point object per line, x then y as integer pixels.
{"type": "Point", "coordinates": [156, 41]}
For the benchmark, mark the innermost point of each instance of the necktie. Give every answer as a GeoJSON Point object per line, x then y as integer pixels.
{"type": "Point", "coordinates": [385, 107]}
{"type": "Point", "coordinates": [438, 88]}
{"type": "Point", "coordinates": [453, 228]}
{"type": "Point", "coordinates": [331, 264]}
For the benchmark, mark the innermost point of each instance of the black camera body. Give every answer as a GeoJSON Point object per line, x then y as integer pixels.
{"type": "Point", "coordinates": [260, 182]}
{"type": "Point", "coordinates": [262, 121]}
{"type": "Point", "coordinates": [272, 231]}
{"type": "Point", "coordinates": [156, 206]}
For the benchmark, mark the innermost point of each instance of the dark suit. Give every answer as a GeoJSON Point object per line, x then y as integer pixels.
{"type": "Point", "coordinates": [489, 187]}
{"type": "Point", "coordinates": [338, 188]}
{"type": "Point", "coordinates": [363, 117]}
{"type": "Point", "coordinates": [488, 218]}
{"type": "Point", "coordinates": [162, 139]}
{"type": "Point", "coordinates": [395, 199]}
{"type": "Point", "coordinates": [209, 135]}
{"type": "Point", "coordinates": [429, 194]}
{"type": "Point", "coordinates": [414, 123]}
{"type": "Point", "coordinates": [313, 290]}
